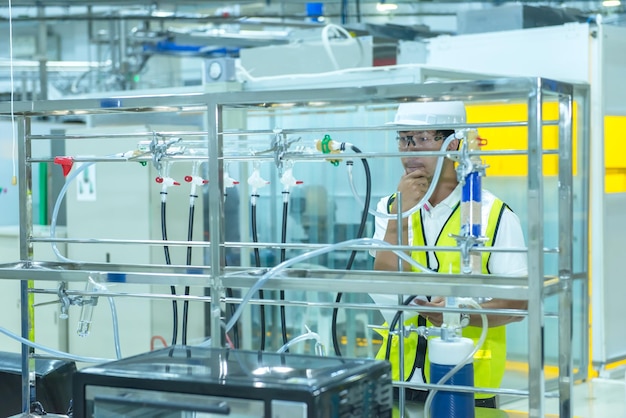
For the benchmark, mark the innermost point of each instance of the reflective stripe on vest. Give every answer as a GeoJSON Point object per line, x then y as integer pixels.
{"type": "Point", "coordinates": [489, 366]}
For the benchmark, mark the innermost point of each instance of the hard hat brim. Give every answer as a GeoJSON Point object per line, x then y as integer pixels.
{"type": "Point", "coordinates": [406, 123]}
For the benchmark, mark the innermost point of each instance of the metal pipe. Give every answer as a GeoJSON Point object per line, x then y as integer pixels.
{"type": "Point", "coordinates": [42, 54]}
{"type": "Point", "coordinates": [277, 302]}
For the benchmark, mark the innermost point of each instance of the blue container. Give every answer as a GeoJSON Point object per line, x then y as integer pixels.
{"type": "Point", "coordinates": [452, 404]}
{"type": "Point", "coordinates": [314, 9]}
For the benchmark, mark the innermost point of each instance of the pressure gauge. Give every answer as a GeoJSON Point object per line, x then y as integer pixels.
{"type": "Point", "coordinates": [215, 70]}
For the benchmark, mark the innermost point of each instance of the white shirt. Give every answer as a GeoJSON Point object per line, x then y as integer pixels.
{"type": "Point", "coordinates": [509, 235]}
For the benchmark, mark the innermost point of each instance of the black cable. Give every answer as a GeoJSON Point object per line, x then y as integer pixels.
{"type": "Point", "coordinates": [168, 261]}
{"type": "Point", "coordinates": [283, 253]}
{"type": "Point", "coordinates": [368, 193]}
{"type": "Point", "coordinates": [229, 294]}
{"type": "Point", "coordinates": [257, 260]}
{"type": "Point", "coordinates": [394, 324]}
{"type": "Point", "coordinates": [189, 238]}
{"type": "Point", "coordinates": [187, 289]}
{"type": "Point", "coordinates": [366, 208]}
{"type": "Point", "coordinates": [358, 11]}
{"type": "Point", "coordinates": [190, 232]}
{"type": "Point", "coordinates": [232, 308]}
{"type": "Point", "coordinates": [283, 236]}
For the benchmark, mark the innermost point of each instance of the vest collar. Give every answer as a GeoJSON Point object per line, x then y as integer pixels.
{"type": "Point", "coordinates": [450, 201]}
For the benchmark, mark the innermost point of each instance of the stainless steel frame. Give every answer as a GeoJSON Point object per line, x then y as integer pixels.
{"type": "Point", "coordinates": [532, 91]}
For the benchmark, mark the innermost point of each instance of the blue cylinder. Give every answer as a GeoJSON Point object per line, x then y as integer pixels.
{"type": "Point", "coordinates": [444, 356]}
{"type": "Point", "coordinates": [453, 404]}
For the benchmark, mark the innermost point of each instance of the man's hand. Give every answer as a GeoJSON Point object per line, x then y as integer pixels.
{"type": "Point", "coordinates": [475, 320]}
{"type": "Point", "coordinates": [413, 186]}
{"type": "Point", "coordinates": [436, 318]}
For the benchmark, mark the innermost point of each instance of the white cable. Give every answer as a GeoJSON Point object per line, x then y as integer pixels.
{"type": "Point", "coordinates": [53, 224]}
{"type": "Point", "coordinates": [61, 196]}
{"type": "Point", "coordinates": [116, 328]}
{"type": "Point", "coordinates": [305, 256]}
{"type": "Point", "coordinates": [52, 351]}
{"type": "Point", "coordinates": [310, 335]}
{"type": "Point", "coordinates": [327, 47]}
{"type": "Point", "coordinates": [466, 360]}
{"type": "Point", "coordinates": [57, 206]}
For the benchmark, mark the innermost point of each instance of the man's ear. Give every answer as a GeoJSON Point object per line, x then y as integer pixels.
{"type": "Point", "coordinates": [454, 145]}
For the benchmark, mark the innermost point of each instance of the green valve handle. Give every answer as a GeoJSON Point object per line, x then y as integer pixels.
{"type": "Point", "coordinates": [326, 144]}
{"type": "Point", "coordinates": [325, 147]}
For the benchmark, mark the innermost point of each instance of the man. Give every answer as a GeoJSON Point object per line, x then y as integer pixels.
{"type": "Point", "coordinates": [432, 225]}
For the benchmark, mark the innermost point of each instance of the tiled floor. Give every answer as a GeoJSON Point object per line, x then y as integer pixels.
{"type": "Point", "coordinates": [598, 398]}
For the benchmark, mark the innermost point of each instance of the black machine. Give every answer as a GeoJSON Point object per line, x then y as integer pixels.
{"type": "Point", "coordinates": [184, 381]}
{"type": "Point", "coordinates": [53, 388]}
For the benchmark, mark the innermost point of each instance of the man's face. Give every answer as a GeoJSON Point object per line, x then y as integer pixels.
{"type": "Point", "coordinates": [419, 141]}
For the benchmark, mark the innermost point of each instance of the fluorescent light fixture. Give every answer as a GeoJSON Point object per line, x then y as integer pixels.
{"type": "Point", "coordinates": [611, 3]}
{"type": "Point", "coordinates": [386, 7]}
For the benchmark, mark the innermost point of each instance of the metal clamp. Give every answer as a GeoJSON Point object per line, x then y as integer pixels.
{"type": "Point", "coordinates": [466, 243]}
{"type": "Point", "coordinates": [161, 148]}
{"type": "Point", "coordinates": [66, 300]}
{"type": "Point", "coordinates": [280, 145]}
{"type": "Point", "coordinates": [467, 163]}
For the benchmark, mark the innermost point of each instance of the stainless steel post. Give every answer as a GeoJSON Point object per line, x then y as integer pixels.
{"type": "Point", "coordinates": [216, 217]}
{"type": "Point", "coordinates": [26, 253]}
{"type": "Point", "coordinates": [566, 225]}
{"type": "Point", "coordinates": [536, 381]}
{"type": "Point", "coordinates": [401, 389]}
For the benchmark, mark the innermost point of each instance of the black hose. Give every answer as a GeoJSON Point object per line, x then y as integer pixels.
{"type": "Point", "coordinates": [283, 320]}
{"type": "Point", "coordinates": [368, 193]}
{"type": "Point", "coordinates": [187, 289]}
{"type": "Point", "coordinates": [168, 261]}
{"type": "Point", "coordinates": [257, 261]}
{"type": "Point", "coordinates": [189, 238]}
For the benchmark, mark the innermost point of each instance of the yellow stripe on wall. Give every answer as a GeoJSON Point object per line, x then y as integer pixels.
{"type": "Point", "coordinates": [614, 163]}
{"type": "Point", "coordinates": [516, 138]}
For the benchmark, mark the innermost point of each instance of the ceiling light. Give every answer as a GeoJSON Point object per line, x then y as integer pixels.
{"type": "Point", "coordinates": [611, 3]}
{"type": "Point", "coordinates": [383, 6]}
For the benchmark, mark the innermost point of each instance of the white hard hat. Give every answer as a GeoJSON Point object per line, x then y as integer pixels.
{"type": "Point", "coordinates": [429, 113]}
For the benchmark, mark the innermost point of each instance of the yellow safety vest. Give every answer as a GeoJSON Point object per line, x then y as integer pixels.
{"type": "Point", "coordinates": [489, 361]}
